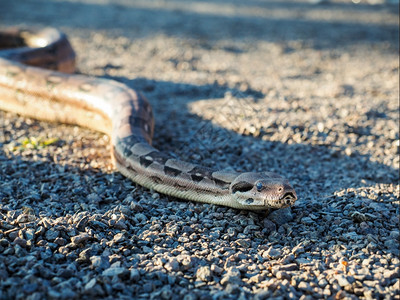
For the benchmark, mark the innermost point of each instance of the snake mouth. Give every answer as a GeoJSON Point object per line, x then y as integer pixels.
{"type": "Point", "coordinates": [289, 198]}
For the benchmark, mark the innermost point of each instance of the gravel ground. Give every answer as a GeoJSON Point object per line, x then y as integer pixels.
{"type": "Point", "coordinates": [308, 91]}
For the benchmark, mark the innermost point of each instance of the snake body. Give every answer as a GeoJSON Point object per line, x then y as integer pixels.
{"type": "Point", "coordinates": [36, 80]}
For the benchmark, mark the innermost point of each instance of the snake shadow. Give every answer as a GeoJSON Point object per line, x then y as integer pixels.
{"type": "Point", "coordinates": [336, 170]}
{"type": "Point", "coordinates": [315, 171]}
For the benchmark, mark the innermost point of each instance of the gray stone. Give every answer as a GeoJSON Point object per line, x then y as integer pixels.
{"type": "Point", "coordinates": [20, 242]}
{"type": "Point", "coordinates": [204, 273]}
{"type": "Point", "coordinates": [81, 238]}
{"type": "Point", "coordinates": [51, 234]}
{"type": "Point", "coordinates": [233, 276]}
{"type": "Point", "coordinates": [272, 253]}
{"type": "Point", "coordinates": [305, 286]}
{"type": "Point", "coordinates": [307, 221]}
{"type": "Point", "coordinates": [90, 284]}
{"type": "Point", "coordinates": [99, 262]}
{"type": "Point", "coordinates": [134, 275]}
{"type": "Point", "coordinates": [281, 216]}
{"type": "Point", "coordinates": [342, 280]}
{"type": "Point", "coordinates": [172, 265]}
{"type": "Point", "coordinates": [116, 271]}
{"type": "Point", "coordinates": [29, 288]}
{"type": "Point", "coordinates": [29, 234]}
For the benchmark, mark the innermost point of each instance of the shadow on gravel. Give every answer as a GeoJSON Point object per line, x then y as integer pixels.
{"type": "Point", "coordinates": [316, 171]}
{"type": "Point", "coordinates": [205, 22]}
{"type": "Point", "coordinates": [66, 189]}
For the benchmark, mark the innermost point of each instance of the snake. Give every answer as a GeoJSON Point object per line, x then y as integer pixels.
{"type": "Point", "coordinates": [38, 80]}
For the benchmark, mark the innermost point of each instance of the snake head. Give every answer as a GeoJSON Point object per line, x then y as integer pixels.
{"type": "Point", "coordinates": [257, 191]}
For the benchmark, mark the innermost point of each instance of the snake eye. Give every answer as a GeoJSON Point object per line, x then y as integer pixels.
{"type": "Point", "coordinates": [259, 186]}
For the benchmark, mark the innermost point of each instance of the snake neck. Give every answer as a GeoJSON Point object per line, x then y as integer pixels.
{"type": "Point", "coordinates": [155, 170]}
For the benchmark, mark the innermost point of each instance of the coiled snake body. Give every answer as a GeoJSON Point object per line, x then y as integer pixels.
{"type": "Point", "coordinates": [31, 84]}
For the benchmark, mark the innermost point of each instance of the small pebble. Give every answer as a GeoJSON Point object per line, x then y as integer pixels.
{"type": "Point", "coordinates": [81, 238]}
{"type": "Point", "coordinates": [204, 273]}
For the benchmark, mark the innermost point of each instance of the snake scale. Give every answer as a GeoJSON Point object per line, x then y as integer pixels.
{"type": "Point", "coordinates": [37, 80]}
